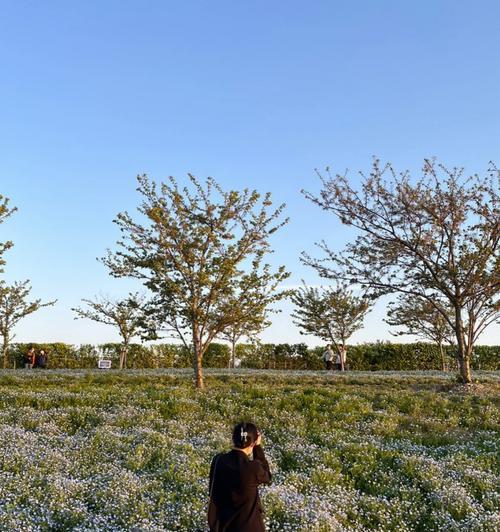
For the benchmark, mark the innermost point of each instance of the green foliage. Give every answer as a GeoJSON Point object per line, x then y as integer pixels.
{"type": "Point", "coordinates": [60, 355]}
{"type": "Point", "coordinates": [421, 318]}
{"type": "Point", "coordinates": [5, 212]}
{"type": "Point", "coordinates": [217, 356]}
{"type": "Point", "coordinates": [379, 356]}
{"type": "Point", "coordinates": [13, 308]}
{"type": "Point", "coordinates": [125, 315]}
{"type": "Point", "coordinates": [201, 253]}
{"type": "Point", "coordinates": [170, 356]}
{"type": "Point", "coordinates": [366, 357]}
{"type": "Point", "coordinates": [66, 356]}
{"type": "Point", "coordinates": [250, 356]}
{"type": "Point", "coordinates": [333, 314]}
{"type": "Point", "coordinates": [275, 356]}
{"type": "Point", "coordinates": [486, 357]}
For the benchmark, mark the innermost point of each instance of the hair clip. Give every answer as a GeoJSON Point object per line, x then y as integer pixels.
{"type": "Point", "coordinates": [243, 435]}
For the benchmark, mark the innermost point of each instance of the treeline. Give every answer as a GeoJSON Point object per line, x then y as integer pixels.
{"type": "Point", "coordinates": [364, 357]}
{"type": "Point", "coordinates": [200, 252]}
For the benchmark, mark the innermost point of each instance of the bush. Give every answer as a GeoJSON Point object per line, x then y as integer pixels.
{"type": "Point", "coordinates": [59, 355]}
{"type": "Point", "coordinates": [364, 357]}
{"type": "Point", "coordinates": [217, 356]}
{"type": "Point", "coordinates": [486, 357]}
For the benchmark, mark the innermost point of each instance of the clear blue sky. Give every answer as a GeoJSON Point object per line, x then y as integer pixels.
{"type": "Point", "coordinates": [255, 94]}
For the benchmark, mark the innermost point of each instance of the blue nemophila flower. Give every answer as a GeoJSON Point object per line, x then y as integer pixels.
{"type": "Point", "coordinates": [134, 454]}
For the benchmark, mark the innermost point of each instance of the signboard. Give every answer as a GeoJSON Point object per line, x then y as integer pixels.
{"type": "Point", "coordinates": [104, 364]}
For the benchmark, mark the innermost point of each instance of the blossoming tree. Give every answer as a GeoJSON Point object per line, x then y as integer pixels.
{"type": "Point", "coordinates": [435, 238]}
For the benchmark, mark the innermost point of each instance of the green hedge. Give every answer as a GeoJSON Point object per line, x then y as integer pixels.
{"type": "Point", "coordinates": [278, 356]}
{"type": "Point", "coordinates": [420, 356]}
{"type": "Point", "coordinates": [85, 356]}
{"type": "Point", "coordinates": [367, 357]}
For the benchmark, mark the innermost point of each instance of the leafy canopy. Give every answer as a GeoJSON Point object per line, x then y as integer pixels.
{"type": "Point", "coordinates": [5, 212]}
{"type": "Point", "coordinates": [14, 305]}
{"type": "Point", "coordinates": [125, 314]}
{"type": "Point", "coordinates": [331, 313]}
{"type": "Point", "coordinates": [200, 250]}
{"type": "Point", "coordinates": [420, 318]}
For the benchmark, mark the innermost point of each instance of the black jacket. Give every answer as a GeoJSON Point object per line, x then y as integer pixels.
{"type": "Point", "coordinates": [235, 493]}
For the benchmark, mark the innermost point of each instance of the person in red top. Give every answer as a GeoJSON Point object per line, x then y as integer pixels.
{"type": "Point", "coordinates": [30, 358]}
{"type": "Point", "coordinates": [234, 504]}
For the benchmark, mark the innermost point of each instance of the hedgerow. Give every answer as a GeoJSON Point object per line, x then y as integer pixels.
{"type": "Point", "coordinates": [363, 357]}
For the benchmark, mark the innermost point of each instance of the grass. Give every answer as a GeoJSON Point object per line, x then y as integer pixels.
{"type": "Point", "coordinates": [89, 450]}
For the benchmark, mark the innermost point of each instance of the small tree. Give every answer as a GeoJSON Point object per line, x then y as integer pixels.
{"type": "Point", "coordinates": [252, 309]}
{"type": "Point", "coordinates": [13, 308]}
{"type": "Point", "coordinates": [333, 314]}
{"type": "Point", "coordinates": [5, 212]}
{"type": "Point", "coordinates": [420, 318]}
{"type": "Point", "coordinates": [435, 238]}
{"type": "Point", "coordinates": [200, 256]}
{"type": "Point", "coordinates": [247, 329]}
{"type": "Point", "coordinates": [126, 315]}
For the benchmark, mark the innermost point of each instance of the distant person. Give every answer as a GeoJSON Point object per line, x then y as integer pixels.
{"type": "Point", "coordinates": [30, 358]}
{"type": "Point", "coordinates": [41, 359]}
{"type": "Point", "coordinates": [328, 357]}
{"type": "Point", "coordinates": [341, 361]}
{"type": "Point", "coordinates": [234, 498]}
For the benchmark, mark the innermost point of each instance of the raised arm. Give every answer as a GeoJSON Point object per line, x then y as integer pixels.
{"type": "Point", "coordinates": [262, 472]}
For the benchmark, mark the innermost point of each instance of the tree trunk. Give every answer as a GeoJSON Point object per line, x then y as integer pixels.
{"type": "Point", "coordinates": [197, 359]}
{"type": "Point", "coordinates": [5, 352]}
{"type": "Point", "coordinates": [123, 356]}
{"type": "Point", "coordinates": [465, 371]}
{"type": "Point", "coordinates": [343, 356]}
{"type": "Point", "coordinates": [233, 353]}
{"type": "Point", "coordinates": [198, 372]}
{"type": "Point", "coordinates": [5, 356]}
{"type": "Point", "coordinates": [464, 350]}
{"type": "Point", "coordinates": [441, 353]}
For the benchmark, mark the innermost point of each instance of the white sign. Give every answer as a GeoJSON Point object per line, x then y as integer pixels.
{"type": "Point", "coordinates": [104, 364]}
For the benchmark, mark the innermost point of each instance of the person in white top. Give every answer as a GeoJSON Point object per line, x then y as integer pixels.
{"type": "Point", "coordinates": [328, 357]}
{"type": "Point", "coordinates": [340, 361]}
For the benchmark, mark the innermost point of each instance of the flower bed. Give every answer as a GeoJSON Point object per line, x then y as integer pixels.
{"type": "Point", "coordinates": [84, 450]}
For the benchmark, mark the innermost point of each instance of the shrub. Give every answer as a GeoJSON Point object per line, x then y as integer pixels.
{"type": "Point", "coordinates": [375, 356]}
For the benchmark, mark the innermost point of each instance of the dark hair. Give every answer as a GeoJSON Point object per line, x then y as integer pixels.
{"type": "Point", "coordinates": [244, 434]}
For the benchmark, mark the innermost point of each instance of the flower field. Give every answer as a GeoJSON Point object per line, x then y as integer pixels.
{"type": "Point", "coordinates": [83, 450]}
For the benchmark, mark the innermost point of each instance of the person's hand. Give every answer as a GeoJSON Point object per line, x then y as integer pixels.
{"type": "Point", "coordinates": [259, 439]}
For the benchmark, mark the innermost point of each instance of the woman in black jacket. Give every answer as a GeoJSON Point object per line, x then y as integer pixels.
{"type": "Point", "coordinates": [234, 498]}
